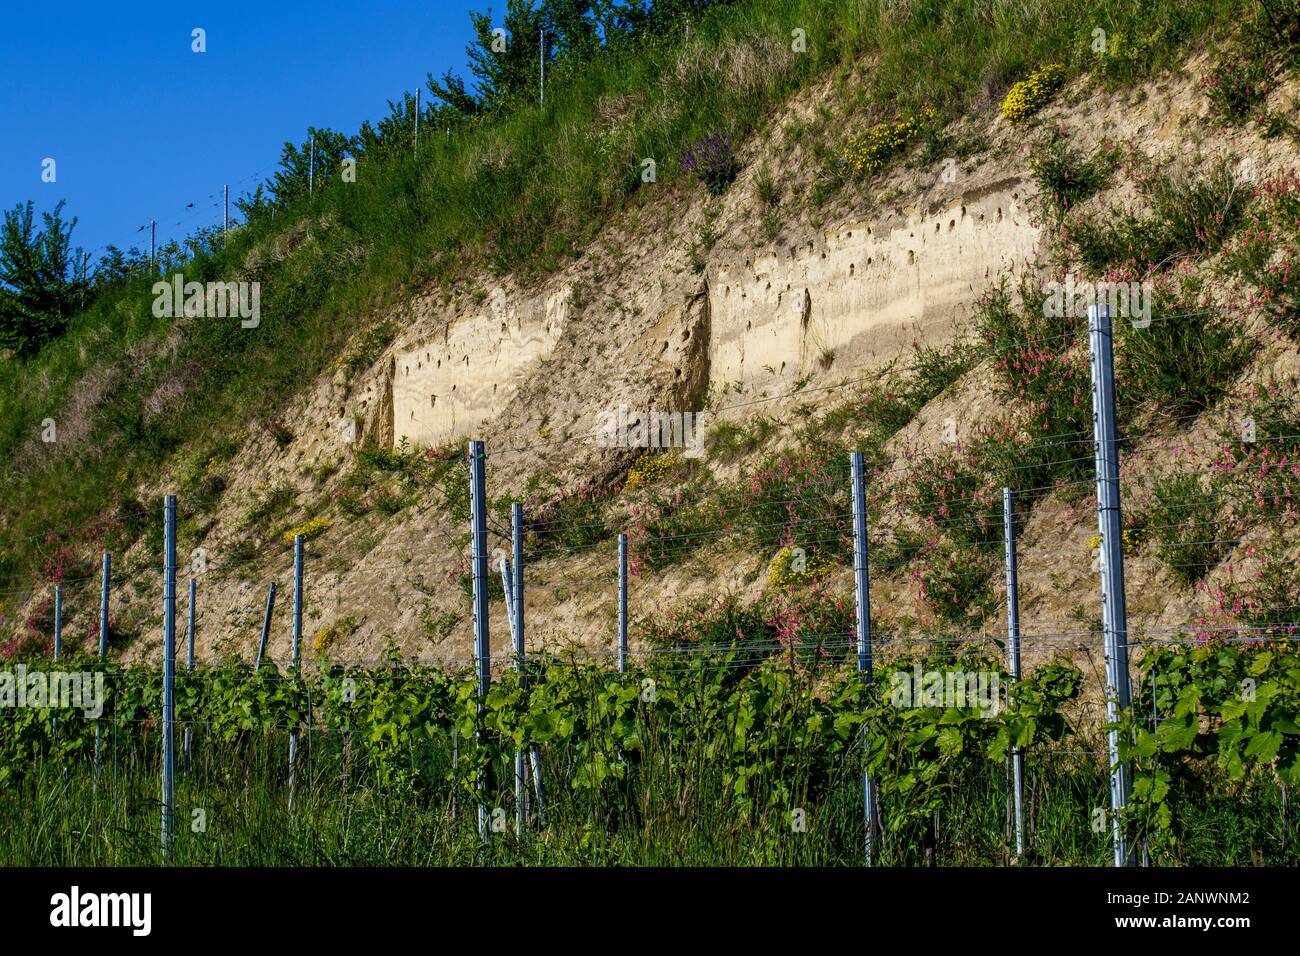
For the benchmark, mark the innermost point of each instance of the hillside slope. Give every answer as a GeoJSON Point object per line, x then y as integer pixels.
{"type": "Point", "coordinates": [801, 321]}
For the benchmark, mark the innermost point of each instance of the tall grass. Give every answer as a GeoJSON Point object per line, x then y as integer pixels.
{"type": "Point", "coordinates": [341, 816]}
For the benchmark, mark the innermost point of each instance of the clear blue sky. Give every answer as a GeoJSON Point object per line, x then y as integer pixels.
{"type": "Point", "coordinates": [140, 125]}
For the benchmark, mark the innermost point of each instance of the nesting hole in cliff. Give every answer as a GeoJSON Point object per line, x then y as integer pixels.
{"type": "Point", "coordinates": [911, 257]}
{"type": "Point", "coordinates": [850, 270]}
{"type": "Point", "coordinates": [952, 224]}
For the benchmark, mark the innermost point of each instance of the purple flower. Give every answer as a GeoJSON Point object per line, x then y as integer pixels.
{"type": "Point", "coordinates": [713, 159]}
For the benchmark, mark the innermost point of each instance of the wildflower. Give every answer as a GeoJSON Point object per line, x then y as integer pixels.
{"type": "Point", "coordinates": [1030, 95]}
{"type": "Point", "coordinates": [310, 529]}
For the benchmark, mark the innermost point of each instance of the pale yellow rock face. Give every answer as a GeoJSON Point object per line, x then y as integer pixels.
{"type": "Point", "coordinates": [861, 295]}
{"type": "Point", "coordinates": [453, 383]}
{"type": "Point", "coordinates": [856, 296]}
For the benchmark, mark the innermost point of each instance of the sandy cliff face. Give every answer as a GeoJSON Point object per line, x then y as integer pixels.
{"type": "Point", "coordinates": [650, 318]}
{"type": "Point", "coordinates": [453, 382]}
{"type": "Point", "coordinates": [860, 292]}
{"type": "Point", "coordinates": [762, 319]}
{"type": "Point", "coordinates": [655, 317]}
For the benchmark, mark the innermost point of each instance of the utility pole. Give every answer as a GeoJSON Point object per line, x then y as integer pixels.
{"type": "Point", "coordinates": [1111, 531]}
{"type": "Point", "coordinates": [541, 56]}
{"type": "Point", "coordinates": [417, 121]}
{"type": "Point", "coordinates": [225, 210]}
{"type": "Point", "coordinates": [311, 167]}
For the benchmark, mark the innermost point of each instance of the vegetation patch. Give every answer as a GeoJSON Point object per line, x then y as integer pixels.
{"type": "Point", "coordinates": [1034, 92]}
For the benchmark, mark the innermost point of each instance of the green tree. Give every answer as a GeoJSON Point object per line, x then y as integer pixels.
{"type": "Point", "coordinates": [38, 288]}
{"type": "Point", "coordinates": [296, 167]}
{"type": "Point", "coordinates": [116, 266]}
{"type": "Point", "coordinates": [504, 65]}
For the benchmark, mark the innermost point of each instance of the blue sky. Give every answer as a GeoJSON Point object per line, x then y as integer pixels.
{"type": "Point", "coordinates": [139, 125]}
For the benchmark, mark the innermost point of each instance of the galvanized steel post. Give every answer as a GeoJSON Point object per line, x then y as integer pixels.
{"type": "Point", "coordinates": [622, 603]}
{"type": "Point", "coordinates": [1111, 534]}
{"type": "Point", "coordinates": [169, 673]}
{"type": "Point", "coordinates": [517, 550]}
{"type": "Point", "coordinates": [862, 597]}
{"type": "Point", "coordinates": [106, 576]}
{"type": "Point", "coordinates": [479, 570]}
{"type": "Point", "coordinates": [266, 625]}
{"type": "Point", "coordinates": [1013, 655]}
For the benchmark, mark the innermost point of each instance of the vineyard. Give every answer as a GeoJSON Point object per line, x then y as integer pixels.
{"type": "Point", "coordinates": [1020, 592]}
{"type": "Point", "coordinates": [705, 754]}
{"type": "Point", "coordinates": [733, 732]}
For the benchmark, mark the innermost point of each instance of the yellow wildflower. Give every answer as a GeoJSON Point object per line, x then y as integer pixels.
{"type": "Point", "coordinates": [1030, 95]}
{"type": "Point", "coordinates": [312, 528]}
